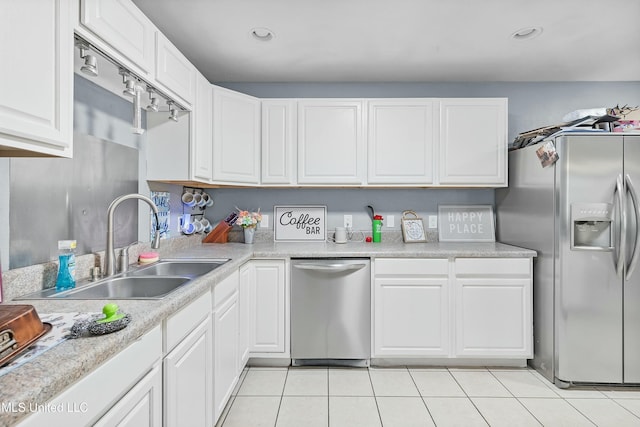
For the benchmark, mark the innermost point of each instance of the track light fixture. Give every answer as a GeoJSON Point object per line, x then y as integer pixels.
{"type": "Point", "coordinates": [90, 66]}
{"type": "Point", "coordinates": [130, 83]}
{"type": "Point", "coordinates": [130, 88]}
{"type": "Point", "coordinates": [134, 85]}
{"type": "Point", "coordinates": [153, 100]}
{"type": "Point", "coordinates": [173, 112]}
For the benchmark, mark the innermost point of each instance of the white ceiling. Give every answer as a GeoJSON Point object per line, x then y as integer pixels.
{"type": "Point", "coordinates": [404, 40]}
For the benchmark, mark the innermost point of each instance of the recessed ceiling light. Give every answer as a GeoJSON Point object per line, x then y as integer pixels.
{"type": "Point", "coordinates": [527, 33]}
{"type": "Point", "coordinates": [262, 34]}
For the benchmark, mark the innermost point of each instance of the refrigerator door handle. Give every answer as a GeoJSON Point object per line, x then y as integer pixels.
{"type": "Point", "coordinates": [636, 209]}
{"type": "Point", "coordinates": [623, 225]}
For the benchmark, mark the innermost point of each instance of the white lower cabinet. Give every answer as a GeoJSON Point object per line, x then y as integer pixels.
{"type": "Point", "coordinates": [226, 336]}
{"type": "Point", "coordinates": [246, 273]}
{"type": "Point", "coordinates": [467, 307]}
{"type": "Point", "coordinates": [411, 306]}
{"type": "Point", "coordinates": [268, 308]}
{"type": "Point", "coordinates": [494, 307]}
{"type": "Point", "coordinates": [100, 392]}
{"type": "Point", "coordinates": [140, 407]}
{"type": "Point", "coordinates": [188, 366]}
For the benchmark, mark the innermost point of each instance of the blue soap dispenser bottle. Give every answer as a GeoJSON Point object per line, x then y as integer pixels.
{"type": "Point", "coordinates": [67, 265]}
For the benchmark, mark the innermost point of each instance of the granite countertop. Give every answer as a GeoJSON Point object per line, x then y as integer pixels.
{"type": "Point", "coordinates": [41, 379]}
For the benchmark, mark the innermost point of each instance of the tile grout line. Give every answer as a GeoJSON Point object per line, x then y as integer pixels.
{"type": "Point", "coordinates": [375, 397]}
{"type": "Point", "coordinates": [580, 412]}
{"type": "Point", "coordinates": [422, 397]}
{"type": "Point", "coordinates": [619, 404]}
{"type": "Point", "coordinates": [284, 385]}
{"type": "Point", "coordinates": [518, 399]}
{"type": "Point", "coordinates": [469, 397]}
{"type": "Point", "coordinates": [569, 403]}
{"type": "Point", "coordinates": [229, 404]}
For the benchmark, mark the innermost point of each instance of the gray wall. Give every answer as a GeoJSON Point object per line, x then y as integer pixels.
{"type": "Point", "coordinates": [346, 201]}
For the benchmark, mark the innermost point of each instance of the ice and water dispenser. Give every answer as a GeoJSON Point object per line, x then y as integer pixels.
{"type": "Point", "coordinates": [592, 226]}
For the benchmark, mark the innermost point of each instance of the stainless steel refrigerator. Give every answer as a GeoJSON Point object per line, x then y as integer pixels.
{"type": "Point", "coordinates": [581, 215]}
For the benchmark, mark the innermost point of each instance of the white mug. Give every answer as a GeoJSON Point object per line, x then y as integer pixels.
{"type": "Point", "coordinates": [198, 225]}
{"type": "Point", "coordinates": [197, 198]}
{"type": "Point", "coordinates": [188, 199]}
{"type": "Point", "coordinates": [189, 228]}
{"type": "Point", "coordinates": [206, 225]}
{"type": "Point", "coordinates": [206, 200]}
{"type": "Point", "coordinates": [340, 235]}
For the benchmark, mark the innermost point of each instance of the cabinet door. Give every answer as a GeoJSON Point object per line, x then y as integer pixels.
{"type": "Point", "coordinates": [330, 143]}
{"type": "Point", "coordinates": [140, 407]}
{"type": "Point", "coordinates": [225, 352]}
{"type": "Point", "coordinates": [173, 70]}
{"type": "Point", "coordinates": [36, 79]}
{"type": "Point", "coordinates": [278, 141]}
{"type": "Point", "coordinates": [122, 26]}
{"type": "Point", "coordinates": [202, 140]}
{"type": "Point", "coordinates": [494, 308]}
{"type": "Point", "coordinates": [236, 137]}
{"type": "Point", "coordinates": [400, 141]}
{"type": "Point", "coordinates": [268, 307]}
{"type": "Point", "coordinates": [188, 380]}
{"type": "Point", "coordinates": [473, 142]}
{"type": "Point", "coordinates": [411, 317]}
{"type": "Point", "coordinates": [245, 279]}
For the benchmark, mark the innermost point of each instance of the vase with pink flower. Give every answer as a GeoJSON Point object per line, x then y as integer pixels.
{"type": "Point", "coordinates": [249, 222]}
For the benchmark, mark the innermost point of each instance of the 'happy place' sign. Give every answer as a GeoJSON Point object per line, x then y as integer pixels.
{"type": "Point", "coordinates": [466, 223]}
{"type": "Point", "coordinates": [300, 223]}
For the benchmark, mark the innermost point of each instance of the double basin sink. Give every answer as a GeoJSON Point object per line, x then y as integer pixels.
{"type": "Point", "coordinates": [155, 281]}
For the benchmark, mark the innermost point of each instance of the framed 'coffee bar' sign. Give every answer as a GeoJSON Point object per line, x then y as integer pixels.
{"type": "Point", "coordinates": [300, 223]}
{"type": "Point", "coordinates": [466, 223]}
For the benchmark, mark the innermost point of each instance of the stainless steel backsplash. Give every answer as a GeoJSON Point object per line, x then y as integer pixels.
{"type": "Point", "coordinates": [59, 199]}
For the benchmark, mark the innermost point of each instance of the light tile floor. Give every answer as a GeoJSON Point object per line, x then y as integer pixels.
{"type": "Point", "coordinates": [408, 397]}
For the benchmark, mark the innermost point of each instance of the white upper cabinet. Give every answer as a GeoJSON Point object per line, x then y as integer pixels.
{"type": "Point", "coordinates": [473, 142]}
{"type": "Point", "coordinates": [202, 140]}
{"type": "Point", "coordinates": [401, 140]}
{"type": "Point", "coordinates": [174, 71]}
{"type": "Point", "coordinates": [331, 147]}
{"type": "Point", "coordinates": [278, 141]}
{"type": "Point", "coordinates": [36, 79]}
{"type": "Point", "coordinates": [236, 137]}
{"type": "Point", "coordinates": [123, 28]}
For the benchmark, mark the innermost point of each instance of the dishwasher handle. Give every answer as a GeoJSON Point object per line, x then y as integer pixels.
{"type": "Point", "coordinates": [330, 267]}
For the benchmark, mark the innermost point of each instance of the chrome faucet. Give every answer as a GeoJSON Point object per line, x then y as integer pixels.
{"type": "Point", "coordinates": [110, 253]}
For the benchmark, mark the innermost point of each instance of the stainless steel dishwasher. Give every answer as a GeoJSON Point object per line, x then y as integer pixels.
{"type": "Point", "coordinates": [330, 311]}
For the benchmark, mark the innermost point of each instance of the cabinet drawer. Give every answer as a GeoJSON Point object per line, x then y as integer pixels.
{"type": "Point", "coordinates": [184, 321]}
{"type": "Point", "coordinates": [225, 289]}
{"type": "Point", "coordinates": [411, 266]}
{"type": "Point", "coordinates": [492, 267]}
